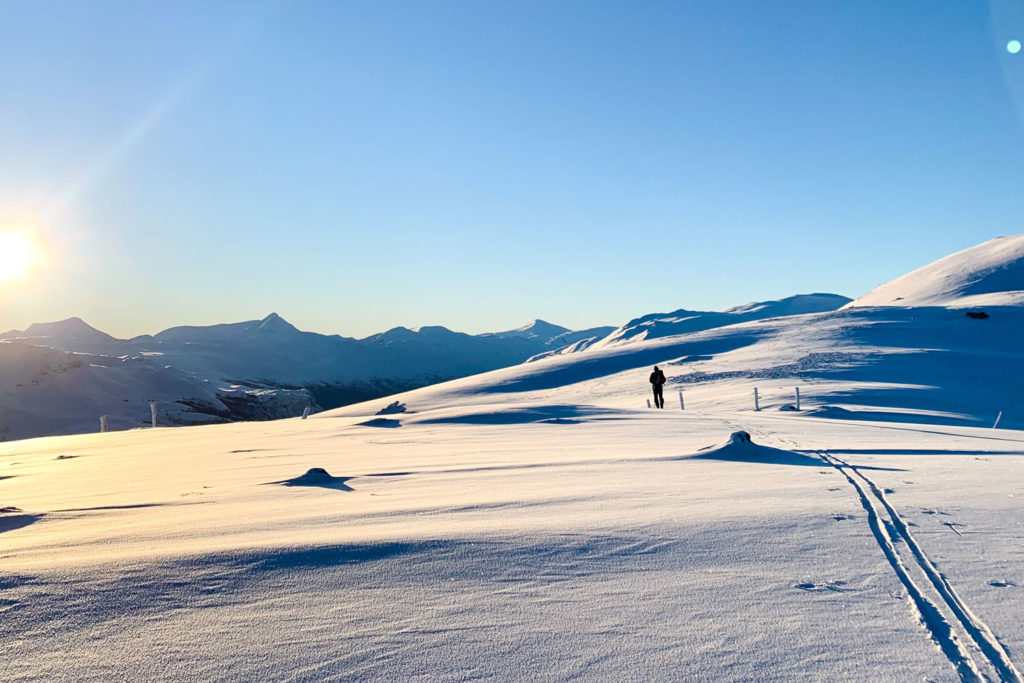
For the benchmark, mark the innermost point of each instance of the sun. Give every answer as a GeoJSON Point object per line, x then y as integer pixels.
{"type": "Point", "coordinates": [17, 255]}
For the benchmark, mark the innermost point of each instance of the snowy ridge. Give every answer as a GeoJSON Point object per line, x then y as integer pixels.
{"type": "Point", "coordinates": [656, 325]}
{"type": "Point", "coordinates": [989, 274]}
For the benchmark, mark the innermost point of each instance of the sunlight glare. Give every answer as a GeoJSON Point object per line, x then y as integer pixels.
{"type": "Point", "coordinates": [17, 255]}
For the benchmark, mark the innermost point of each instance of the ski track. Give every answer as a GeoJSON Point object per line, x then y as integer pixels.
{"type": "Point", "coordinates": [977, 629]}
{"type": "Point", "coordinates": [926, 607]}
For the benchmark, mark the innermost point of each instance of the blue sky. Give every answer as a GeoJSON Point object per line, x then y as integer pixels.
{"type": "Point", "coordinates": [356, 166]}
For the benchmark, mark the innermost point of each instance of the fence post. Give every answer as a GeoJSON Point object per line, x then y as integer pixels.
{"type": "Point", "coordinates": [103, 423]}
{"type": "Point", "coordinates": [305, 412]}
{"type": "Point", "coordinates": [998, 418]}
{"type": "Point", "coordinates": [757, 403]}
{"type": "Point", "coordinates": [152, 412]}
{"type": "Point", "coordinates": [682, 406]}
{"type": "Point", "coordinates": [798, 398]}
{"type": "Point", "coordinates": [648, 403]}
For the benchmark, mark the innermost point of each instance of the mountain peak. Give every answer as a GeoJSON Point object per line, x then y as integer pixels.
{"type": "Point", "coordinates": [70, 327]}
{"type": "Point", "coordinates": [275, 324]}
{"type": "Point", "coordinates": [536, 329]}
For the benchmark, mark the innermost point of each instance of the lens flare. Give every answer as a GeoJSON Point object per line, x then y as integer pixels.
{"type": "Point", "coordinates": [1013, 47]}
{"type": "Point", "coordinates": [18, 254]}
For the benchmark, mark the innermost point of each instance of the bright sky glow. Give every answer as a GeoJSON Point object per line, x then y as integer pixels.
{"type": "Point", "coordinates": [17, 255]}
{"type": "Point", "coordinates": [357, 166]}
{"type": "Point", "coordinates": [1013, 47]}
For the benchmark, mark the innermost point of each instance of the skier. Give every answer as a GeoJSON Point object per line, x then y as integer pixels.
{"type": "Point", "coordinates": [658, 381]}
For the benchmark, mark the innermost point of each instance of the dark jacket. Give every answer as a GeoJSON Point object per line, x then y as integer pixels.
{"type": "Point", "coordinates": [657, 377]}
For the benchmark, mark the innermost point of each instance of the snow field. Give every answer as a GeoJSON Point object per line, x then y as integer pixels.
{"type": "Point", "coordinates": [605, 545]}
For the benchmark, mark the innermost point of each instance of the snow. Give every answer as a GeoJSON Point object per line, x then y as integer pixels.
{"type": "Point", "coordinates": [608, 545]}
{"type": "Point", "coordinates": [989, 274]}
{"type": "Point", "coordinates": [655, 325]}
{"type": "Point", "coordinates": [536, 329]}
{"type": "Point", "coordinates": [539, 523]}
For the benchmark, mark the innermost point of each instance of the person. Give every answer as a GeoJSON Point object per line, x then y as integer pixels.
{"type": "Point", "coordinates": [658, 382]}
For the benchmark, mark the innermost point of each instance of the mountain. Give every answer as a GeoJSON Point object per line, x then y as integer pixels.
{"type": "Point", "coordinates": [538, 329]}
{"type": "Point", "coordinates": [991, 273]}
{"type": "Point", "coordinates": [73, 333]}
{"type": "Point", "coordinates": [257, 369]}
{"type": "Point", "coordinates": [656, 325]}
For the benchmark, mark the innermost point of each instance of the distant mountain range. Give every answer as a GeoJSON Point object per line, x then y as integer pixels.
{"type": "Point", "coordinates": [59, 377]}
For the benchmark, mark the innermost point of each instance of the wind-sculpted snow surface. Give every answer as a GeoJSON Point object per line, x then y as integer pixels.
{"type": "Point", "coordinates": [574, 541]}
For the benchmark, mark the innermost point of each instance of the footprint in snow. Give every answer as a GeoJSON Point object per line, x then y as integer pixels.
{"type": "Point", "coordinates": [840, 518]}
{"type": "Point", "coordinates": [889, 491]}
{"type": "Point", "coordinates": [1002, 584]}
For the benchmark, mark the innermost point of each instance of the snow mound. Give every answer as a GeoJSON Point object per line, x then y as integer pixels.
{"type": "Point", "coordinates": [393, 408]}
{"type": "Point", "coordinates": [991, 273]}
{"type": "Point", "coordinates": [739, 437]}
{"type": "Point", "coordinates": [741, 448]}
{"type": "Point", "coordinates": [318, 476]}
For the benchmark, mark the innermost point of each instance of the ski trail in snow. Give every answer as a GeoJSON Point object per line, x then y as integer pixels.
{"type": "Point", "coordinates": [927, 610]}
{"type": "Point", "coordinates": [977, 629]}
{"type": "Point", "coordinates": [942, 631]}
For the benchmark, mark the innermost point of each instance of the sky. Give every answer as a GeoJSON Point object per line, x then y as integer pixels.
{"type": "Point", "coordinates": [354, 166]}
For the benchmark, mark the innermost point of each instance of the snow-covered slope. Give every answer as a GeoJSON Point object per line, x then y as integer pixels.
{"type": "Point", "coordinates": [655, 325]}
{"type": "Point", "coordinates": [46, 391]}
{"type": "Point", "coordinates": [991, 273]}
